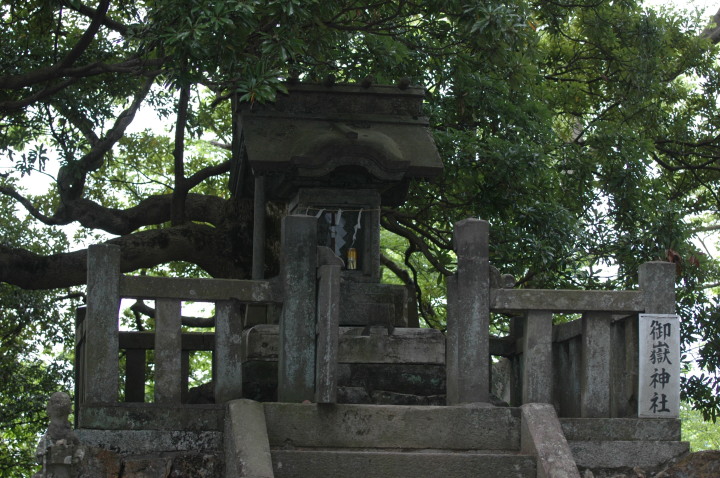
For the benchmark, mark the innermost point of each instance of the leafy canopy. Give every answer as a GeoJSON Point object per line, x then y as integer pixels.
{"type": "Point", "coordinates": [585, 132]}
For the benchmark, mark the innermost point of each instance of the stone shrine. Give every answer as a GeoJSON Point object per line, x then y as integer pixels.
{"type": "Point", "coordinates": [323, 371]}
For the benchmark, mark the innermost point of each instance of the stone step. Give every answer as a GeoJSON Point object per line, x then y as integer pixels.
{"type": "Point", "coordinates": [400, 464]}
{"type": "Point", "coordinates": [615, 443]}
{"type": "Point", "coordinates": [464, 427]}
{"type": "Point", "coordinates": [626, 454]}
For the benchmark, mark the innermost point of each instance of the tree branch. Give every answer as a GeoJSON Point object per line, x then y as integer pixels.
{"type": "Point", "coordinates": [30, 207]}
{"type": "Point", "coordinates": [150, 211]}
{"type": "Point", "coordinates": [177, 215]}
{"type": "Point", "coordinates": [188, 321]}
{"type": "Point", "coordinates": [391, 224]}
{"type": "Point", "coordinates": [34, 77]}
{"type": "Point", "coordinates": [71, 178]}
{"type": "Point", "coordinates": [92, 13]}
{"type": "Point", "coordinates": [196, 243]}
{"type": "Point", "coordinates": [87, 37]}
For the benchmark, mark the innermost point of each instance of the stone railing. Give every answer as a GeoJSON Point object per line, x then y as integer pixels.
{"type": "Point", "coordinates": [587, 367]}
{"type": "Point", "coordinates": [98, 338]}
{"type": "Point", "coordinates": [308, 289]}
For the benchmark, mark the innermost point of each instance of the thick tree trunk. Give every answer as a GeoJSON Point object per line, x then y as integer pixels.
{"type": "Point", "coordinates": [223, 251]}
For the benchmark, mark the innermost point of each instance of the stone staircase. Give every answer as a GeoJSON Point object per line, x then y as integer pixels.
{"type": "Point", "coordinates": [380, 441]}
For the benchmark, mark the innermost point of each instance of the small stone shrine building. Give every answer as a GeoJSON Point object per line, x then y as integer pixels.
{"type": "Point", "coordinates": [323, 371]}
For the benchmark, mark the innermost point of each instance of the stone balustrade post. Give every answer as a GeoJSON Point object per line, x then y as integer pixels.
{"type": "Point", "coordinates": [328, 320]}
{"type": "Point", "coordinates": [537, 378]}
{"type": "Point", "coordinates": [296, 361]}
{"type": "Point", "coordinates": [451, 343]}
{"type": "Point", "coordinates": [657, 283]}
{"type": "Point", "coordinates": [595, 371]}
{"type": "Point", "coordinates": [101, 325]}
{"type": "Point", "coordinates": [658, 345]}
{"type": "Point", "coordinates": [227, 358]}
{"type": "Point", "coordinates": [168, 329]}
{"type": "Point", "coordinates": [470, 313]}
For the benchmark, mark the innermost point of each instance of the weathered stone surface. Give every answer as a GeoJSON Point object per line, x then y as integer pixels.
{"type": "Point", "coordinates": [520, 300]}
{"type": "Point", "coordinates": [595, 371]}
{"type": "Point", "coordinates": [386, 426]}
{"type": "Point", "coordinates": [101, 364]}
{"type": "Point", "coordinates": [382, 397]}
{"type": "Point", "coordinates": [621, 429]}
{"type": "Point", "coordinates": [260, 381]}
{"type": "Point", "coordinates": [623, 454]}
{"type": "Point", "coordinates": [146, 467]}
{"type": "Point", "coordinates": [150, 416]}
{"type": "Point", "coordinates": [228, 353]}
{"type": "Point", "coordinates": [353, 395]}
{"type": "Point", "coordinates": [405, 345]}
{"type": "Point", "coordinates": [327, 334]}
{"type": "Point", "coordinates": [100, 463]}
{"type": "Point", "coordinates": [151, 441]}
{"type": "Point", "coordinates": [384, 464]}
{"type": "Point", "coordinates": [296, 354]}
{"type": "Point", "coordinates": [472, 310]}
{"type": "Point", "coordinates": [537, 378]}
{"type": "Point", "coordinates": [247, 450]}
{"type": "Point", "coordinates": [360, 304]}
{"type": "Point", "coordinates": [411, 379]}
{"type": "Point", "coordinates": [541, 436]}
{"type": "Point", "coordinates": [196, 466]}
{"type": "Point", "coordinates": [702, 464]}
{"type": "Point", "coordinates": [657, 285]}
{"type": "Point", "coordinates": [168, 341]}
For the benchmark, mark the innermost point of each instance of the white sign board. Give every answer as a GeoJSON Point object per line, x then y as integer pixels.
{"type": "Point", "coordinates": [659, 370]}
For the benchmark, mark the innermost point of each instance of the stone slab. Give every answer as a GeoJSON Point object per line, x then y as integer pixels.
{"type": "Point", "coordinates": [296, 351]}
{"type": "Point", "coordinates": [405, 345]}
{"type": "Point", "coordinates": [621, 429]}
{"type": "Point", "coordinates": [626, 454]}
{"type": "Point", "coordinates": [360, 300]}
{"type": "Point", "coordinates": [148, 416]}
{"type": "Point", "coordinates": [393, 426]}
{"type": "Point", "coordinates": [210, 290]}
{"type": "Point", "coordinates": [416, 379]}
{"type": "Point", "coordinates": [542, 436]}
{"type": "Point", "coordinates": [356, 464]}
{"type": "Point", "coordinates": [520, 300]}
{"type": "Point", "coordinates": [151, 441]}
{"type": "Point", "coordinates": [247, 452]}
{"type": "Point", "coordinates": [659, 366]}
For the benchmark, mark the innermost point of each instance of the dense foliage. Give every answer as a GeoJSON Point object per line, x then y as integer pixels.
{"type": "Point", "coordinates": [585, 132]}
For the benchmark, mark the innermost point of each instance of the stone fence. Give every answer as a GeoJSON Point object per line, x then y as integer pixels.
{"type": "Point", "coordinates": [308, 290]}
{"type": "Point", "coordinates": [587, 367]}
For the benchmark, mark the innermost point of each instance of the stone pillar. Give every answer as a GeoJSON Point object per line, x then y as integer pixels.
{"type": "Point", "coordinates": [296, 361]}
{"type": "Point", "coordinates": [657, 283]}
{"type": "Point", "coordinates": [541, 435]}
{"type": "Point", "coordinates": [328, 320]}
{"type": "Point", "coordinates": [167, 351]}
{"type": "Point", "coordinates": [595, 374]}
{"type": "Point", "coordinates": [258, 263]}
{"type": "Point", "coordinates": [537, 379]}
{"type": "Point", "coordinates": [451, 343]}
{"type": "Point", "coordinates": [658, 343]}
{"type": "Point", "coordinates": [472, 311]}
{"type": "Point", "coordinates": [101, 324]}
{"type": "Point", "coordinates": [227, 358]}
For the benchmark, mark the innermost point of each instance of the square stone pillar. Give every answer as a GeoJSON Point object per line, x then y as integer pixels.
{"type": "Point", "coordinates": [296, 361]}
